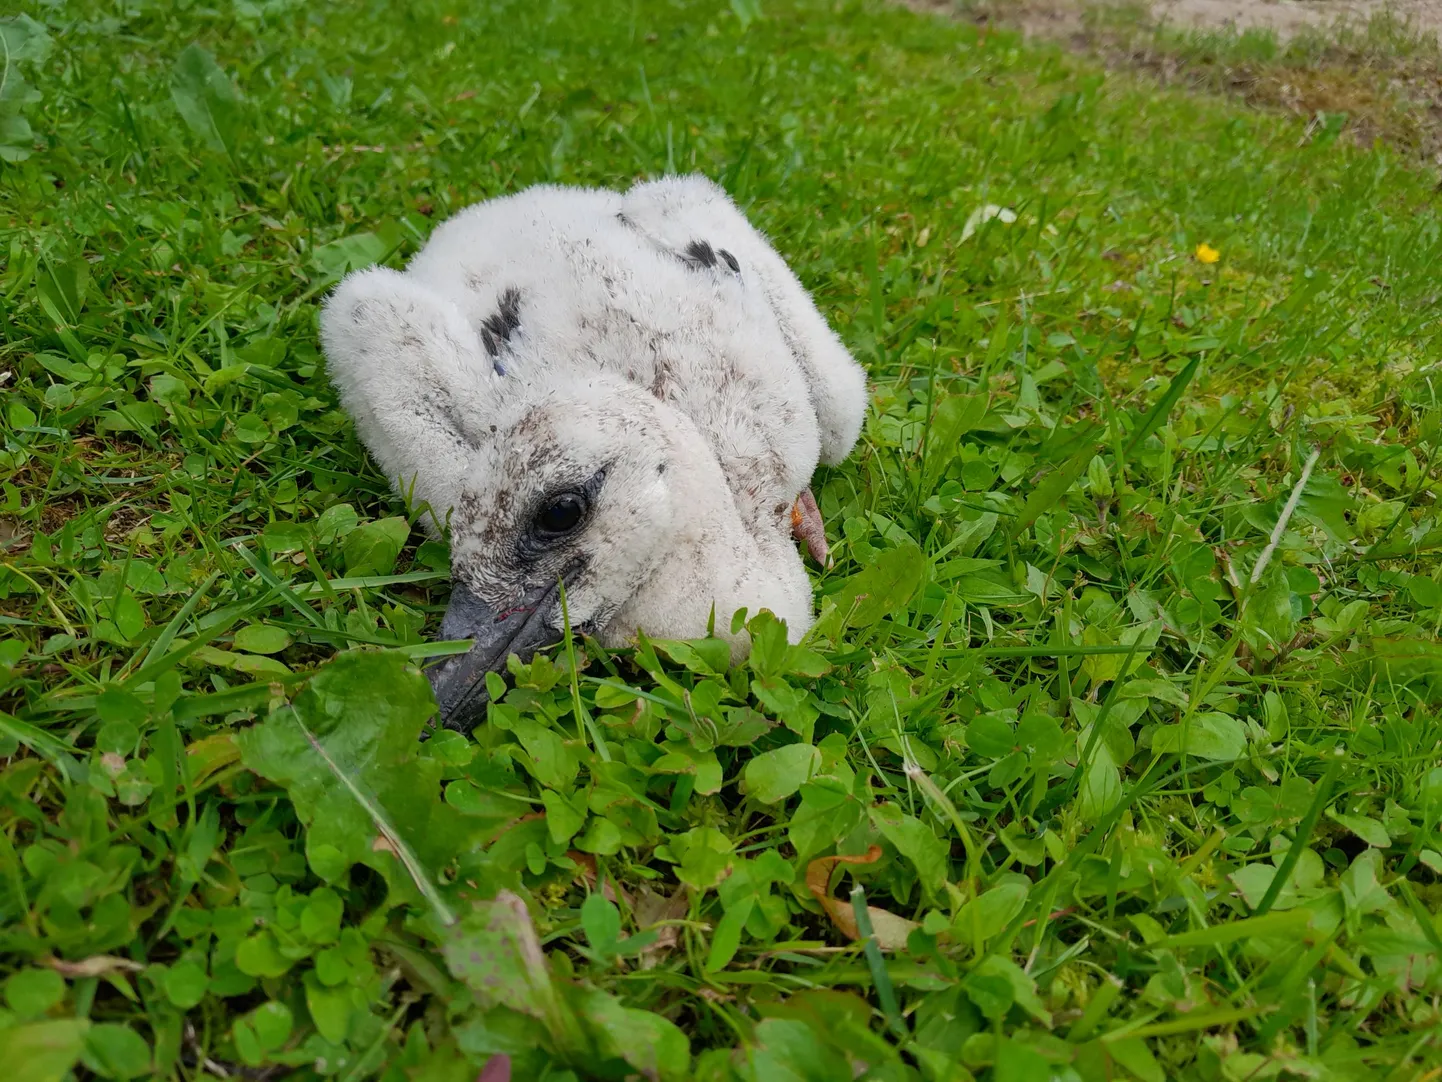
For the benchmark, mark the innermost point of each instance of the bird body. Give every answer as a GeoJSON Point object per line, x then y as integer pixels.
{"type": "Point", "coordinates": [627, 393]}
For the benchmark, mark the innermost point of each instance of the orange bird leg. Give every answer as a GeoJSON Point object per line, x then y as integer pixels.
{"type": "Point", "coordinates": [806, 525]}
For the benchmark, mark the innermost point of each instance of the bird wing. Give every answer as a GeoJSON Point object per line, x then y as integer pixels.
{"type": "Point", "coordinates": [697, 219]}
{"type": "Point", "coordinates": [411, 372]}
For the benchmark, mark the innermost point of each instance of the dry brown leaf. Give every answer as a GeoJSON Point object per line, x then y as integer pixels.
{"type": "Point", "coordinates": [650, 909]}
{"type": "Point", "coordinates": [891, 931]}
{"type": "Point", "coordinates": [99, 965]}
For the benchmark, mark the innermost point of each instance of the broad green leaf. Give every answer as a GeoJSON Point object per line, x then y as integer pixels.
{"type": "Point", "coordinates": [998, 971]}
{"type": "Point", "coordinates": [1255, 879]}
{"type": "Point", "coordinates": [988, 589]}
{"type": "Point", "coordinates": [259, 956]}
{"type": "Point", "coordinates": [330, 1008]}
{"type": "Point", "coordinates": [789, 703]}
{"type": "Point", "coordinates": [1100, 668]}
{"type": "Point", "coordinates": [991, 736]}
{"type": "Point", "coordinates": [562, 818]}
{"type": "Point", "coordinates": [1025, 847]}
{"type": "Point", "coordinates": [62, 288]}
{"type": "Point", "coordinates": [321, 919]}
{"type": "Point", "coordinates": [1365, 827]}
{"type": "Point", "coordinates": [704, 767]}
{"type": "Point", "coordinates": [1361, 891]}
{"type": "Point", "coordinates": [602, 923]}
{"type": "Point", "coordinates": [747, 11]}
{"type": "Point", "coordinates": [116, 1051]}
{"type": "Point", "coordinates": [775, 775]}
{"type": "Point", "coordinates": [251, 428]}
{"type": "Point", "coordinates": [1018, 1062]}
{"type": "Point", "coordinates": [1213, 736]}
{"type": "Point", "coordinates": [1154, 688]}
{"type": "Point", "coordinates": [601, 837]}
{"type": "Point", "coordinates": [282, 537]}
{"type": "Point", "coordinates": [272, 1022]}
{"type": "Point", "coordinates": [1042, 736]}
{"type": "Point", "coordinates": [885, 586]}
{"type": "Point", "coordinates": [352, 253]}
{"type": "Point", "coordinates": [547, 756]}
{"type": "Point", "coordinates": [264, 1029]}
{"type": "Point", "coordinates": [185, 984]}
{"type": "Point", "coordinates": [336, 522]}
{"type": "Point", "coordinates": [845, 1021]}
{"type": "Point", "coordinates": [917, 842]}
{"type": "Point", "coordinates": [1136, 1057]}
{"type": "Point", "coordinates": [494, 949]}
{"type": "Point", "coordinates": [24, 40]}
{"type": "Point", "coordinates": [1325, 502]}
{"type": "Point", "coordinates": [827, 813]}
{"type": "Point", "coordinates": [991, 993]}
{"type": "Point", "coordinates": [726, 938]}
{"type": "Point", "coordinates": [205, 98]}
{"type": "Point", "coordinates": [1270, 608]}
{"type": "Point", "coordinates": [1101, 784]}
{"type": "Point", "coordinates": [347, 750]}
{"type": "Point", "coordinates": [705, 857]}
{"type": "Point", "coordinates": [372, 548]}
{"type": "Point", "coordinates": [21, 416]}
{"type": "Point", "coordinates": [31, 992]}
{"type": "Point", "coordinates": [653, 1046]}
{"type": "Point", "coordinates": [43, 1051]}
{"type": "Point", "coordinates": [698, 655]}
{"type": "Point", "coordinates": [989, 912]}
{"type": "Point", "coordinates": [261, 639]}
{"type": "Point", "coordinates": [786, 1050]}
{"type": "Point", "coordinates": [122, 620]}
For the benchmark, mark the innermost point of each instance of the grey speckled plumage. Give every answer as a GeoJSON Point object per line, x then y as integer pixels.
{"type": "Point", "coordinates": [627, 393]}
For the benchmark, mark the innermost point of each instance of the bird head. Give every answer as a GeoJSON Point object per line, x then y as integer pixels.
{"type": "Point", "coordinates": [568, 501]}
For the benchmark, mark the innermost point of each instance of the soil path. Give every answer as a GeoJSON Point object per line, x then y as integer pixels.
{"type": "Point", "coordinates": [1284, 17]}
{"type": "Point", "coordinates": [1287, 17]}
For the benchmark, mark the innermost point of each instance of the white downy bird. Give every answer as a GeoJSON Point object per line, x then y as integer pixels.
{"type": "Point", "coordinates": [626, 394]}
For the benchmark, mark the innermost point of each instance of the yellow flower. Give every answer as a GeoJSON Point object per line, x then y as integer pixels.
{"type": "Point", "coordinates": [1207, 254]}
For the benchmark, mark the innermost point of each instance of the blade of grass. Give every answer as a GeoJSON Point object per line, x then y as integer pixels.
{"type": "Point", "coordinates": [881, 979]}
{"type": "Point", "coordinates": [267, 576]}
{"type": "Point", "coordinates": [1300, 838]}
{"type": "Point", "coordinates": [1163, 406]}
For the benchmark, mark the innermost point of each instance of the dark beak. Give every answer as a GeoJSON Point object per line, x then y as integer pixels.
{"type": "Point", "coordinates": [522, 629]}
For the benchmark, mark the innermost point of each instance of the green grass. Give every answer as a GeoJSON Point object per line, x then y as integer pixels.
{"type": "Point", "coordinates": [1158, 797]}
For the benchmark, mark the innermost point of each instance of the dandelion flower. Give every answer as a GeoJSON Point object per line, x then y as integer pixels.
{"type": "Point", "coordinates": [1207, 254]}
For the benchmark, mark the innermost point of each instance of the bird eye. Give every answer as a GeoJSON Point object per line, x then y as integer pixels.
{"type": "Point", "coordinates": [562, 515]}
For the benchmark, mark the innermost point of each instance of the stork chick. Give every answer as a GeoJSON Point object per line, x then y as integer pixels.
{"type": "Point", "coordinates": [619, 395]}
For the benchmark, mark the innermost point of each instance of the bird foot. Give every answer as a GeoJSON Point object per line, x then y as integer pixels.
{"type": "Point", "coordinates": [806, 525]}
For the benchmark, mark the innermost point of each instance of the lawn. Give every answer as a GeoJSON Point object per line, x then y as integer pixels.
{"type": "Point", "coordinates": [1114, 754]}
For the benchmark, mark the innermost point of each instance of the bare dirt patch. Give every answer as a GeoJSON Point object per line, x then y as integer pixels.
{"type": "Point", "coordinates": [1371, 67]}
{"type": "Point", "coordinates": [1289, 17]}
{"type": "Point", "coordinates": [1285, 18]}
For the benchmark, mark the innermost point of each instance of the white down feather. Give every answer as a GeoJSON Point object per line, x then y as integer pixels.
{"type": "Point", "coordinates": [653, 339]}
